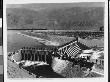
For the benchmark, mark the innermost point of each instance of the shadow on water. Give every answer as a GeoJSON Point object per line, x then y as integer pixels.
{"type": "Point", "coordinates": [43, 70]}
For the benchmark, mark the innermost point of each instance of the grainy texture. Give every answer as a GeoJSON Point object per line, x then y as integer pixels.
{"type": "Point", "coordinates": [72, 32]}
{"type": "Point", "coordinates": [1, 78]}
{"type": "Point", "coordinates": [15, 72]}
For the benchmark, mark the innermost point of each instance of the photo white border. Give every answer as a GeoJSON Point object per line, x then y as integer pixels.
{"type": "Point", "coordinates": [105, 79]}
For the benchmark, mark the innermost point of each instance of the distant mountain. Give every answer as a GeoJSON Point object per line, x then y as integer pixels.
{"type": "Point", "coordinates": [62, 18]}
{"type": "Point", "coordinates": [40, 6]}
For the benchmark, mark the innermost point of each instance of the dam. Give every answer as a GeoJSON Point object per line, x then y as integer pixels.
{"type": "Point", "coordinates": [52, 62]}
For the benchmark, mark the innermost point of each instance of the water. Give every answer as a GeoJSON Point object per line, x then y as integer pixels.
{"type": "Point", "coordinates": [16, 41]}
{"type": "Point", "coordinates": [43, 70]}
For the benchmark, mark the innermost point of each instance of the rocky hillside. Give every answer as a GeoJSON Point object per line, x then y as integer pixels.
{"type": "Point", "coordinates": [53, 17]}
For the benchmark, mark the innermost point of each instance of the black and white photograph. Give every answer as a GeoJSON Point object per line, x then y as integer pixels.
{"type": "Point", "coordinates": [109, 47]}
{"type": "Point", "coordinates": [55, 40]}
{"type": "Point", "coordinates": [1, 45]}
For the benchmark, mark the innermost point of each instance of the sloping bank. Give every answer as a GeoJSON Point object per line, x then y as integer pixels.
{"type": "Point", "coordinates": [92, 42]}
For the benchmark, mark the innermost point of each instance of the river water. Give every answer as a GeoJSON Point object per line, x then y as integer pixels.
{"type": "Point", "coordinates": [44, 70]}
